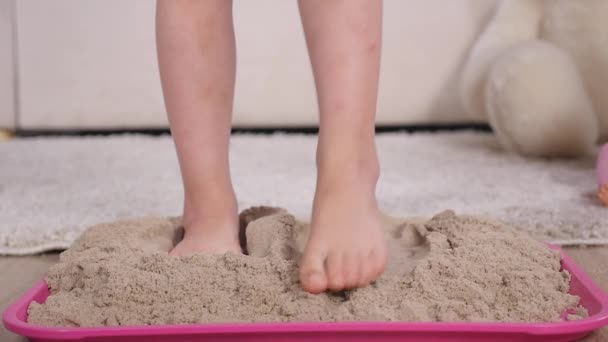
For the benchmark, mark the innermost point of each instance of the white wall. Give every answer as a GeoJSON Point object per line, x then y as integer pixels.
{"type": "Point", "coordinates": [92, 63]}
{"type": "Point", "coordinates": [7, 98]}
{"type": "Point", "coordinates": [87, 63]}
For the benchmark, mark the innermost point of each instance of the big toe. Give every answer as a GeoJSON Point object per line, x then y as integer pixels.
{"type": "Point", "coordinates": [312, 274]}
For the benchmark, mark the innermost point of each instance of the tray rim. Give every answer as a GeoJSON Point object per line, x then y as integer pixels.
{"type": "Point", "coordinates": [596, 321]}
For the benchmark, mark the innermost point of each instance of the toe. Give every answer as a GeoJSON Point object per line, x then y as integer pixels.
{"type": "Point", "coordinates": [351, 267]}
{"type": "Point", "coordinates": [335, 273]}
{"type": "Point", "coordinates": [312, 273]}
{"type": "Point", "coordinates": [365, 272]}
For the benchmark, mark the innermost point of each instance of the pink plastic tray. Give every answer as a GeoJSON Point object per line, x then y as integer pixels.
{"type": "Point", "coordinates": [592, 298]}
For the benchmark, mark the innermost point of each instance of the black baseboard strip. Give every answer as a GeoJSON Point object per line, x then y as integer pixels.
{"type": "Point", "coordinates": [250, 130]}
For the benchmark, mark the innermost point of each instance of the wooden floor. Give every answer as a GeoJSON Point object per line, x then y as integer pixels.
{"type": "Point", "coordinates": [19, 273]}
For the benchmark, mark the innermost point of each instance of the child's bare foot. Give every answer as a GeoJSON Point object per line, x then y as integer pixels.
{"type": "Point", "coordinates": [214, 230]}
{"type": "Point", "coordinates": [208, 238]}
{"type": "Point", "coordinates": [346, 248]}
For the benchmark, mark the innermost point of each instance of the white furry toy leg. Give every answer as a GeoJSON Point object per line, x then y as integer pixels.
{"type": "Point", "coordinates": [537, 104]}
{"type": "Point", "coordinates": [514, 21]}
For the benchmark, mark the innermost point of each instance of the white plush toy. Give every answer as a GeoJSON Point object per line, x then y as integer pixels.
{"type": "Point", "coordinates": [539, 75]}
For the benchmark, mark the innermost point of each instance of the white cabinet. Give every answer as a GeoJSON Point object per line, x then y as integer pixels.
{"type": "Point", "coordinates": [92, 63]}
{"type": "Point", "coordinates": [87, 64]}
{"type": "Point", "coordinates": [8, 114]}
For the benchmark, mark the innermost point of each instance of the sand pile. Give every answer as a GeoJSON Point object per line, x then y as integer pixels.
{"type": "Point", "coordinates": [449, 268]}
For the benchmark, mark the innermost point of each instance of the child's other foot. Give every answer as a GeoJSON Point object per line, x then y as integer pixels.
{"type": "Point", "coordinates": [347, 248]}
{"type": "Point", "coordinates": [212, 228]}
{"type": "Point", "coordinates": [209, 238]}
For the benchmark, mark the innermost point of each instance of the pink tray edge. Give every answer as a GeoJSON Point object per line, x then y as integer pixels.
{"type": "Point", "coordinates": [595, 321]}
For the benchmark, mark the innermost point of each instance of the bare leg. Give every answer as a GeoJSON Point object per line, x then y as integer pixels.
{"type": "Point", "coordinates": [346, 248]}
{"type": "Point", "coordinates": [196, 53]}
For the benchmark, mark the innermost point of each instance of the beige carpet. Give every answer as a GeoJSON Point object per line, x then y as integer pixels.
{"type": "Point", "coordinates": [51, 189]}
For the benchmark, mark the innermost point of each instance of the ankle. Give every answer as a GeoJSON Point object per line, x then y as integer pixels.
{"type": "Point", "coordinates": [346, 185]}
{"type": "Point", "coordinates": [348, 153]}
{"type": "Point", "coordinates": [211, 209]}
{"type": "Point", "coordinates": [215, 228]}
